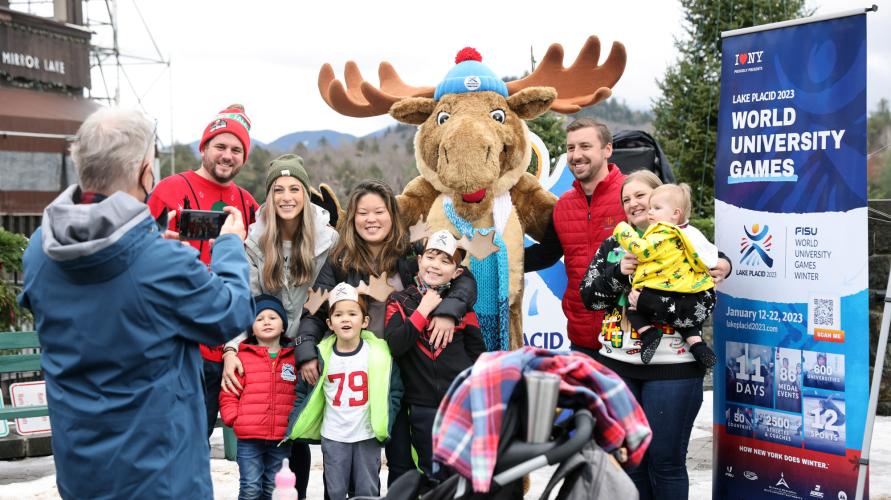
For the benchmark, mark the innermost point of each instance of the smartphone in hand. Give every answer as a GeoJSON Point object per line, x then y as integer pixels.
{"type": "Point", "coordinates": [200, 224]}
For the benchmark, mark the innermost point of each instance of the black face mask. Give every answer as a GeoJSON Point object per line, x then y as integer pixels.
{"type": "Point", "coordinates": [142, 186]}
{"type": "Point", "coordinates": [151, 146]}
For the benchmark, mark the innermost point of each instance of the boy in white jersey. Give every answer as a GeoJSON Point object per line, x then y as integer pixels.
{"type": "Point", "coordinates": [353, 407]}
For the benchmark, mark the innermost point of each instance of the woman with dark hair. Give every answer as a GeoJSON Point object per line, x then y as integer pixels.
{"type": "Point", "coordinates": [374, 244]}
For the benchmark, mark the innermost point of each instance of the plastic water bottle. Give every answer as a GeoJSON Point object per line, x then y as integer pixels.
{"type": "Point", "coordinates": [284, 483]}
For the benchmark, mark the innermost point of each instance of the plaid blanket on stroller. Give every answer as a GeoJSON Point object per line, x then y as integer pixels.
{"type": "Point", "coordinates": [467, 426]}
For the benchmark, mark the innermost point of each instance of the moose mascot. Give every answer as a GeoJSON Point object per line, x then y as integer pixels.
{"type": "Point", "coordinates": [472, 151]}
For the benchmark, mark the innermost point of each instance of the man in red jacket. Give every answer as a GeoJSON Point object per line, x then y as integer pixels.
{"type": "Point", "coordinates": [224, 149]}
{"type": "Point", "coordinates": [583, 217]}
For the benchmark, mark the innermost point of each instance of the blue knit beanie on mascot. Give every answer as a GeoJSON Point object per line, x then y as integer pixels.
{"type": "Point", "coordinates": [469, 75]}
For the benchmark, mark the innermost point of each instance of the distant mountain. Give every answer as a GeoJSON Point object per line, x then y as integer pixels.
{"type": "Point", "coordinates": [194, 146]}
{"type": "Point", "coordinates": [310, 139]}
{"type": "Point", "coordinates": [617, 115]}
{"type": "Point", "coordinates": [397, 129]}
{"type": "Point", "coordinates": [343, 160]}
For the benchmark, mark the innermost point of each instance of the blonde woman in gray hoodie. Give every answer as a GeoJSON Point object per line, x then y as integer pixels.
{"type": "Point", "coordinates": [286, 249]}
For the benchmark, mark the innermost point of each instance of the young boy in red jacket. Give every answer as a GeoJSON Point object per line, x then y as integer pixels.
{"type": "Point", "coordinates": [427, 370]}
{"type": "Point", "coordinates": [259, 415]}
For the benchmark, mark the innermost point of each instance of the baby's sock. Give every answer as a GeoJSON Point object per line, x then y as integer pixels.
{"type": "Point", "coordinates": [649, 343]}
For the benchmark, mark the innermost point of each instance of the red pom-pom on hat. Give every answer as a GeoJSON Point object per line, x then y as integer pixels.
{"type": "Point", "coordinates": [468, 54]}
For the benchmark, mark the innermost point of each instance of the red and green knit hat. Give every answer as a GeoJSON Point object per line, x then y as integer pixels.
{"type": "Point", "coordinates": [231, 120]}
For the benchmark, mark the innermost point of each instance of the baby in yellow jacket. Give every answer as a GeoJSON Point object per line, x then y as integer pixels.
{"type": "Point", "coordinates": [671, 284]}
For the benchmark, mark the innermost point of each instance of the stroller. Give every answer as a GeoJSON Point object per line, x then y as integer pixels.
{"type": "Point", "coordinates": [636, 150]}
{"type": "Point", "coordinates": [585, 469]}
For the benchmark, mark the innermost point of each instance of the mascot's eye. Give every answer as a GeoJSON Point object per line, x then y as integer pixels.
{"type": "Point", "coordinates": [497, 115]}
{"type": "Point", "coordinates": [442, 117]}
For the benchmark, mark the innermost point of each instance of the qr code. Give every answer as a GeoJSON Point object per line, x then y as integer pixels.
{"type": "Point", "coordinates": [824, 310]}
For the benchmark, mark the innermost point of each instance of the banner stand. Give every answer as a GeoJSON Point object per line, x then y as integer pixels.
{"type": "Point", "coordinates": [881, 348]}
{"type": "Point", "coordinates": [792, 328]}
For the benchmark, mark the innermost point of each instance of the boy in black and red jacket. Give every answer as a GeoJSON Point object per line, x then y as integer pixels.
{"type": "Point", "coordinates": [427, 370]}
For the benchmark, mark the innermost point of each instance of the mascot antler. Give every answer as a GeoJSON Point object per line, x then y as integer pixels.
{"type": "Point", "coordinates": [360, 99]}
{"type": "Point", "coordinates": [581, 85]}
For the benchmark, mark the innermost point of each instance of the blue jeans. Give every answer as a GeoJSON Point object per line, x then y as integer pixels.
{"type": "Point", "coordinates": [671, 407]}
{"type": "Point", "coordinates": [258, 463]}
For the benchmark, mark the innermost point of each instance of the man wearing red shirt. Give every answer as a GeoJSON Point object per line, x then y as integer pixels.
{"type": "Point", "coordinates": [224, 149]}
{"type": "Point", "coordinates": [583, 217]}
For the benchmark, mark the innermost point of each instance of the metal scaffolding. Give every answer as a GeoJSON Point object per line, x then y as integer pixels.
{"type": "Point", "coordinates": [101, 17]}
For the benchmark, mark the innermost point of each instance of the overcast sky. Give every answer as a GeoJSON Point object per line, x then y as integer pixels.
{"type": "Point", "coordinates": [267, 54]}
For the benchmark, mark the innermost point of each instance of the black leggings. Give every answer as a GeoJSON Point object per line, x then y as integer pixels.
{"type": "Point", "coordinates": [300, 461]}
{"type": "Point", "coordinates": [685, 312]}
{"type": "Point", "coordinates": [413, 429]}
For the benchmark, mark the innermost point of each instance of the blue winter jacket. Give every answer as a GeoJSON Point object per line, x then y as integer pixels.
{"type": "Point", "coordinates": [120, 313]}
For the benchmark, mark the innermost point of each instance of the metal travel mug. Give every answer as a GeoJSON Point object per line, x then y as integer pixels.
{"type": "Point", "coordinates": [542, 389]}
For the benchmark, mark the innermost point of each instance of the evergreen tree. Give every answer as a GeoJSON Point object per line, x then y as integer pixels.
{"type": "Point", "coordinates": [878, 144]}
{"type": "Point", "coordinates": [686, 115]}
{"type": "Point", "coordinates": [345, 178]}
{"type": "Point", "coordinates": [185, 159]}
{"type": "Point", "coordinates": [616, 110]}
{"type": "Point", "coordinates": [12, 246]}
{"type": "Point", "coordinates": [878, 127]}
{"type": "Point", "coordinates": [300, 150]}
{"type": "Point", "coordinates": [374, 172]}
{"type": "Point", "coordinates": [549, 127]}
{"type": "Point", "coordinates": [253, 173]}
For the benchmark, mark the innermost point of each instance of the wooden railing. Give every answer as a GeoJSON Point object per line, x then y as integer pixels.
{"type": "Point", "coordinates": [18, 362]}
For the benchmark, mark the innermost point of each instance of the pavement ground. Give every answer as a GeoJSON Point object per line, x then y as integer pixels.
{"type": "Point", "coordinates": [34, 478]}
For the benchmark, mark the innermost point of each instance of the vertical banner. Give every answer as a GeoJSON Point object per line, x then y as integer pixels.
{"type": "Point", "coordinates": [791, 322]}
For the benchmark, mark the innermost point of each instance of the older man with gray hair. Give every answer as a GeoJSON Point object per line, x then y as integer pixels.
{"type": "Point", "coordinates": [120, 311]}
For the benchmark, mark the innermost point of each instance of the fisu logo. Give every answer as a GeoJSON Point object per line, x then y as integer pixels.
{"type": "Point", "coordinates": [743, 58]}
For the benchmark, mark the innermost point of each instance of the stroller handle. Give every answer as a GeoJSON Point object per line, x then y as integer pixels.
{"type": "Point", "coordinates": [584, 428]}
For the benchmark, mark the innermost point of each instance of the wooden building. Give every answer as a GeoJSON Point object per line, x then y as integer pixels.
{"type": "Point", "coordinates": [44, 75]}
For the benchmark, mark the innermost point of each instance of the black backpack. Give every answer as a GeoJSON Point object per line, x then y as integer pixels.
{"type": "Point", "coordinates": [636, 150]}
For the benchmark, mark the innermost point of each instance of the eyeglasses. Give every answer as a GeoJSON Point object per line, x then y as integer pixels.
{"type": "Point", "coordinates": [153, 140]}
{"type": "Point", "coordinates": [149, 165]}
